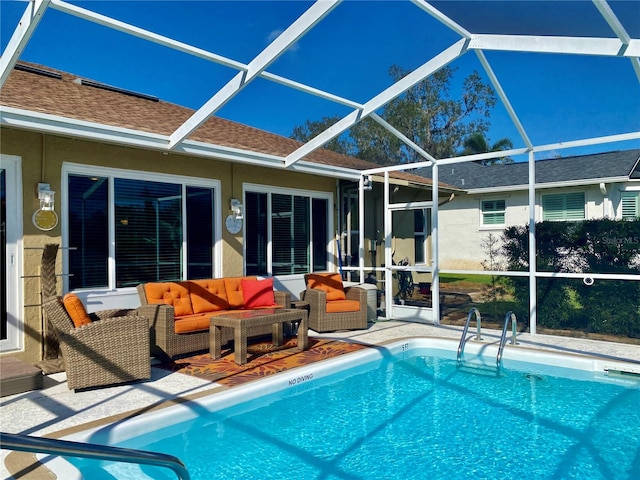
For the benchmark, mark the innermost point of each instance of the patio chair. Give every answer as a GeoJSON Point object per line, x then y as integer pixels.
{"type": "Point", "coordinates": [100, 348]}
{"type": "Point", "coordinates": [332, 306]}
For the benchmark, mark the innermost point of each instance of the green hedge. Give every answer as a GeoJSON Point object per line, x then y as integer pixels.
{"type": "Point", "coordinates": [593, 246]}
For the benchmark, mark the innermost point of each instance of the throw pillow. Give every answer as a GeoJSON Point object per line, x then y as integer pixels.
{"type": "Point", "coordinates": [76, 310]}
{"type": "Point", "coordinates": [258, 293]}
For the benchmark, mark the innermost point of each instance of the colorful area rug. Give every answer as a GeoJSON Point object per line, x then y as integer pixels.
{"type": "Point", "coordinates": [263, 359]}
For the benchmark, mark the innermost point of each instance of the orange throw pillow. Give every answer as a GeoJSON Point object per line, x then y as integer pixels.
{"type": "Point", "coordinates": [331, 283]}
{"type": "Point", "coordinates": [258, 293]}
{"type": "Point", "coordinates": [76, 310]}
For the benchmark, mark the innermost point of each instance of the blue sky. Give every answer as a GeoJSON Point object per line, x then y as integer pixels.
{"type": "Point", "coordinates": [557, 97]}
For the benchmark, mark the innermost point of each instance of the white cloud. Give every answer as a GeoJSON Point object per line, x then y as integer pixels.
{"type": "Point", "coordinates": [275, 34]}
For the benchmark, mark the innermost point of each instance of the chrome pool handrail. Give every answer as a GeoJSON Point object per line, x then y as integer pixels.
{"type": "Point", "coordinates": [463, 341]}
{"type": "Point", "coordinates": [514, 325]}
{"type": "Point", "coordinates": [53, 446]}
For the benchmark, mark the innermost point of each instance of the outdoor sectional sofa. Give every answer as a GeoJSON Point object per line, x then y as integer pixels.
{"type": "Point", "coordinates": [179, 313]}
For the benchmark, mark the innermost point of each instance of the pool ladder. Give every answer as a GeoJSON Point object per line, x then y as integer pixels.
{"type": "Point", "coordinates": [463, 339]}
{"type": "Point", "coordinates": [475, 312]}
{"type": "Point", "coordinates": [52, 446]}
{"type": "Point", "coordinates": [514, 328]}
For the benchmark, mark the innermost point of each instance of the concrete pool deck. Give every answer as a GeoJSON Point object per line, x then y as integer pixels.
{"type": "Point", "coordinates": [56, 411]}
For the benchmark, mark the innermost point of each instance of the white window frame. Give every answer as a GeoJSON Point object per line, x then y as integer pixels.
{"type": "Point", "coordinates": [311, 194]}
{"type": "Point", "coordinates": [425, 233]}
{"type": "Point", "coordinates": [490, 226]}
{"type": "Point", "coordinates": [111, 174]}
{"type": "Point", "coordinates": [14, 255]}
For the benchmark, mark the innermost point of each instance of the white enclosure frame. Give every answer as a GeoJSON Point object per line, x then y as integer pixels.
{"type": "Point", "coordinates": [620, 44]}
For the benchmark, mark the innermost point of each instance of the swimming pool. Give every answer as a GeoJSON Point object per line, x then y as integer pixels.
{"type": "Point", "coordinates": [403, 411]}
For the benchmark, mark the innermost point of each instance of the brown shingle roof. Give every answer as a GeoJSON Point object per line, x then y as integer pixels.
{"type": "Point", "coordinates": [67, 97]}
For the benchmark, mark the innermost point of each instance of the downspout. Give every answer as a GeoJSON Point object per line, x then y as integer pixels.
{"type": "Point", "coordinates": [606, 204]}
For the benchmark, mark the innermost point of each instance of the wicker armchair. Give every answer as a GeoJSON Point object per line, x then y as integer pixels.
{"type": "Point", "coordinates": [113, 348]}
{"type": "Point", "coordinates": [326, 312]}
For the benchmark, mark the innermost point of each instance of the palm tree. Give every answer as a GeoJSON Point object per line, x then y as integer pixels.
{"type": "Point", "coordinates": [478, 143]}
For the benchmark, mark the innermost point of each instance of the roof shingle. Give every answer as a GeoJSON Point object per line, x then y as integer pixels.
{"type": "Point", "coordinates": [69, 98]}
{"type": "Point", "coordinates": [470, 175]}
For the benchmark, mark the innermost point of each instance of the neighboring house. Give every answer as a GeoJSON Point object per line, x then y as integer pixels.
{"type": "Point", "coordinates": [571, 188]}
{"type": "Point", "coordinates": [130, 211]}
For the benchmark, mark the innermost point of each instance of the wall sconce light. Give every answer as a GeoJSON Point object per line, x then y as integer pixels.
{"type": "Point", "coordinates": [367, 183]}
{"type": "Point", "coordinates": [46, 196]}
{"type": "Point", "coordinates": [236, 208]}
{"type": "Point", "coordinates": [45, 218]}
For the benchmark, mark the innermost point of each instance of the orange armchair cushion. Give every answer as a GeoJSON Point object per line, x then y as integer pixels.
{"type": "Point", "coordinates": [331, 283]}
{"type": "Point", "coordinates": [208, 295]}
{"type": "Point", "coordinates": [76, 310]}
{"type": "Point", "coordinates": [258, 293]}
{"type": "Point", "coordinates": [340, 306]}
{"type": "Point", "coordinates": [170, 293]}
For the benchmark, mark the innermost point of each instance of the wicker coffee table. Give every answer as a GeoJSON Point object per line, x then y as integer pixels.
{"type": "Point", "coordinates": [242, 322]}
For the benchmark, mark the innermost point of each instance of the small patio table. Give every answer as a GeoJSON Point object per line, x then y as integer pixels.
{"type": "Point", "coordinates": [242, 323]}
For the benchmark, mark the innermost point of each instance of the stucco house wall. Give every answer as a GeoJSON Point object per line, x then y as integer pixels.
{"type": "Point", "coordinates": [462, 234]}
{"type": "Point", "coordinates": [43, 157]}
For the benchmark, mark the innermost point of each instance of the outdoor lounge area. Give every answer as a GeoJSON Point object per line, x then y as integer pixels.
{"type": "Point", "coordinates": [259, 229]}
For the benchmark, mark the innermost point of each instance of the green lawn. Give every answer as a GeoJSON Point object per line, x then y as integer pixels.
{"type": "Point", "coordinates": [453, 278]}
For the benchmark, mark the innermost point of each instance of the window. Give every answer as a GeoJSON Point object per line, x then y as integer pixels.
{"type": "Point", "coordinates": [159, 230]}
{"type": "Point", "coordinates": [630, 205]}
{"type": "Point", "coordinates": [563, 206]}
{"type": "Point", "coordinates": [493, 212]}
{"type": "Point", "coordinates": [285, 233]}
{"type": "Point", "coordinates": [422, 226]}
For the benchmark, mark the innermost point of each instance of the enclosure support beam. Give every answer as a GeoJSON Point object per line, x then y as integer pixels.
{"type": "Point", "coordinates": [21, 36]}
{"type": "Point", "coordinates": [298, 29]}
{"type": "Point", "coordinates": [533, 302]}
{"type": "Point", "coordinates": [436, 63]}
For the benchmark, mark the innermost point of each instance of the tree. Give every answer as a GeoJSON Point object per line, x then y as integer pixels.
{"type": "Point", "coordinates": [310, 129]}
{"type": "Point", "coordinates": [425, 114]}
{"type": "Point", "coordinates": [478, 143]}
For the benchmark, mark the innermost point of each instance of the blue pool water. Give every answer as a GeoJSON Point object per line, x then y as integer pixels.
{"type": "Point", "coordinates": [414, 415]}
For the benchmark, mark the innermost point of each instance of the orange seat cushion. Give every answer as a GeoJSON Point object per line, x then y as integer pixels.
{"type": "Point", "coordinates": [192, 323]}
{"type": "Point", "coordinates": [233, 286]}
{"type": "Point", "coordinates": [331, 283]}
{"type": "Point", "coordinates": [258, 293]}
{"type": "Point", "coordinates": [208, 295]}
{"type": "Point", "coordinates": [75, 309]}
{"type": "Point", "coordinates": [337, 306]}
{"type": "Point", "coordinates": [170, 293]}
